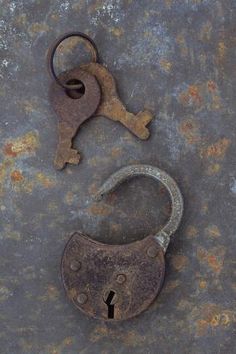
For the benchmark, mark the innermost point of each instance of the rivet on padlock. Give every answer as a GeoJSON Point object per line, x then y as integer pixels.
{"type": "Point", "coordinates": [110, 277]}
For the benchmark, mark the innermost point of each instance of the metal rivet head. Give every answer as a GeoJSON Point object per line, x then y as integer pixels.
{"type": "Point", "coordinates": [152, 251]}
{"type": "Point", "coordinates": [75, 265]}
{"type": "Point", "coordinates": [82, 298]}
{"type": "Point", "coordinates": [121, 278]}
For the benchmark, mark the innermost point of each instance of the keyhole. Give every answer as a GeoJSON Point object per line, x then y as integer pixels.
{"type": "Point", "coordinates": [109, 301]}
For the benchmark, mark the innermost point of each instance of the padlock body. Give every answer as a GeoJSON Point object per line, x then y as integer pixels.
{"type": "Point", "coordinates": [112, 282]}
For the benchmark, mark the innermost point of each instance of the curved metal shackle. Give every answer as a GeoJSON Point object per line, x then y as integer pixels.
{"type": "Point", "coordinates": [125, 173]}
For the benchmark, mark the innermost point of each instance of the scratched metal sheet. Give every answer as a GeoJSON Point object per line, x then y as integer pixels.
{"type": "Point", "coordinates": [176, 58]}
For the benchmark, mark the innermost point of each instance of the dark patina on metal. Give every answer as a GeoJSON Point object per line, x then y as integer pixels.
{"type": "Point", "coordinates": [76, 97]}
{"type": "Point", "coordinates": [117, 282]}
{"type": "Point", "coordinates": [114, 282]}
{"type": "Point", "coordinates": [73, 112]}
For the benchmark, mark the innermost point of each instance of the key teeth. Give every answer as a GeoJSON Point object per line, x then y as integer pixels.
{"type": "Point", "coordinates": [143, 118]}
{"type": "Point", "coordinates": [72, 156]}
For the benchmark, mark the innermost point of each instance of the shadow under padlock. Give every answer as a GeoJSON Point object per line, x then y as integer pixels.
{"type": "Point", "coordinates": [117, 282]}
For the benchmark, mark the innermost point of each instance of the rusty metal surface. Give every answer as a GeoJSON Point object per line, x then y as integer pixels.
{"type": "Point", "coordinates": [176, 59]}
{"type": "Point", "coordinates": [91, 269]}
{"type": "Point", "coordinates": [140, 264]}
{"type": "Point", "coordinates": [74, 109]}
{"type": "Point", "coordinates": [72, 112]}
{"type": "Point", "coordinates": [111, 106]}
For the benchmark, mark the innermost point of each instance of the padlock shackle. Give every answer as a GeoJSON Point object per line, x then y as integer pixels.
{"type": "Point", "coordinates": [125, 173]}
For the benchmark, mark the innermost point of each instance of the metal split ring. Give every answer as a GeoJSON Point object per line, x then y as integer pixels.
{"type": "Point", "coordinates": [163, 236]}
{"type": "Point", "coordinates": [52, 51]}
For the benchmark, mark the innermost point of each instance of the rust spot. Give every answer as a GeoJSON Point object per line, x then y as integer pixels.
{"type": "Point", "coordinates": [179, 262]}
{"type": "Point", "coordinates": [117, 31]}
{"type": "Point", "coordinates": [36, 28]}
{"type": "Point", "coordinates": [29, 106]}
{"type": "Point", "coordinates": [214, 263]}
{"type": "Point", "coordinates": [209, 316]}
{"type": "Point", "coordinates": [181, 41]}
{"type": "Point", "coordinates": [171, 285]}
{"type": "Point", "coordinates": [25, 144]}
{"type": "Point", "coordinates": [211, 85]}
{"type": "Point", "coordinates": [213, 169]}
{"type": "Point", "coordinates": [202, 284]}
{"type": "Point", "coordinates": [69, 198]}
{"type": "Point", "coordinates": [16, 176]}
{"type": "Point", "coordinates": [216, 150]}
{"type": "Point", "coordinates": [44, 180]}
{"type": "Point", "coordinates": [98, 209]}
{"type": "Point", "coordinates": [205, 33]}
{"type": "Point", "coordinates": [21, 19]}
{"type": "Point", "coordinates": [214, 258]}
{"type": "Point", "coordinates": [200, 95]}
{"type": "Point", "coordinates": [212, 231]}
{"type": "Point", "coordinates": [191, 96]}
{"type": "Point", "coordinates": [190, 131]}
{"type": "Point", "coordinates": [165, 65]}
{"type": "Point", "coordinates": [221, 50]}
{"type": "Point", "coordinates": [116, 152]}
{"type": "Point", "coordinates": [51, 294]}
{"type": "Point", "coordinates": [184, 305]}
{"type": "Point", "coordinates": [55, 17]}
{"type": "Point", "coordinates": [59, 348]}
{"type": "Point", "coordinates": [168, 3]}
{"type": "Point", "coordinates": [130, 338]}
{"type": "Point", "coordinates": [204, 208]}
{"type": "Point", "coordinates": [191, 231]}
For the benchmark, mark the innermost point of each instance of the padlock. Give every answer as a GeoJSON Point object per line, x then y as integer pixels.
{"type": "Point", "coordinates": [117, 282]}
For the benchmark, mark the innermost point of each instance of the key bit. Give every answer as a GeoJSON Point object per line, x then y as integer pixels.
{"type": "Point", "coordinates": [111, 106]}
{"type": "Point", "coordinates": [73, 111]}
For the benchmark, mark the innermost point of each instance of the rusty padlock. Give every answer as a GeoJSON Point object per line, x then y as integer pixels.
{"type": "Point", "coordinates": [117, 282]}
{"type": "Point", "coordinates": [88, 90]}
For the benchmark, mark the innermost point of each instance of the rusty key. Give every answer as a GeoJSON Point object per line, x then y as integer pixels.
{"type": "Point", "coordinates": [72, 112]}
{"type": "Point", "coordinates": [111, 106]}
{"type": "Point", "coordinates": [83, 92]}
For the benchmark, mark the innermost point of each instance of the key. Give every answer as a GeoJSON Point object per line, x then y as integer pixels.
{"type": "Point", "coordinates": [83, 92]}
{"type": "Point", "coordinates": [111, 106]}
{"type": "Point", "coordinates": [73, 111]}
{"type": "Point", "coordinates": [100, 98]}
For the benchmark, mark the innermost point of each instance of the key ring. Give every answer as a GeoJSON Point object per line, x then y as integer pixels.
{"type": "Point", "coordinates": [52, 51]}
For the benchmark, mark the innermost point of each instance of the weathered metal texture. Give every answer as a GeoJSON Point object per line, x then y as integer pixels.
{"type": "Point", "coordinates": [128, 172]}
{"type": "Point", "coordinates": [72, 112]}
{"type": "Point", "coordinates": [132, 273]}
{"type": "Point", "coordinates": [177, 59]}
{"type": "Point", "coordinates": [112, 107]}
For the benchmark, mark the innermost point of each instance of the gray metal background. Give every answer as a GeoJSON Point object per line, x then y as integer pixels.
{"type": "Point", "coordinates": [176, 58]}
